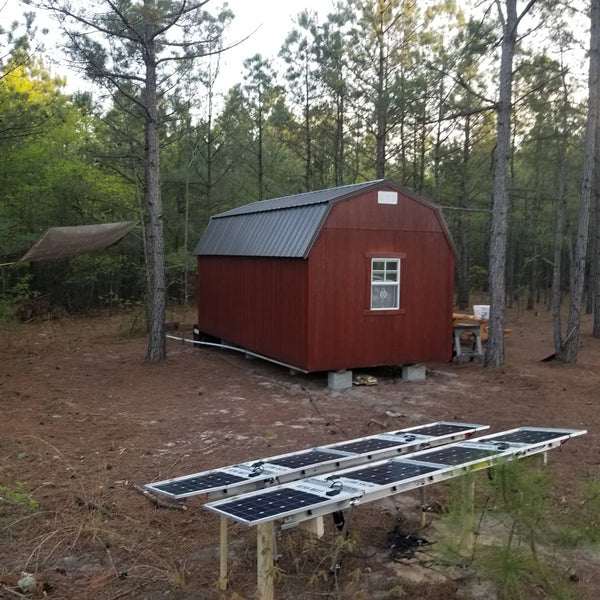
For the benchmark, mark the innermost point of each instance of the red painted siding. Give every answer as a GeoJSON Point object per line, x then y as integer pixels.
{"type": "Point", "coordinates": [315, 314]}
{"type": "Point", "coordinates": [257, 303]}
{"type": "Point", "coordinates": [343, 332]}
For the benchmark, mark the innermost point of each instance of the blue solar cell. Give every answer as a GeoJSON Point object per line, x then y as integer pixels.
{"type": "Point", "coordinates": [304, 459]}
{"type": "Point", "coordinates": [365, 446]}
{"type": "Point", "coordinates": [198, 483]}
{"type": "Point", "coordinates": [440, 429]}
{"type": "Point", "coordinates": [527, 436]}
{"type": "Point", "coordinates": [394, 471]}
{"type": "Point", "coordinates": [456, 455]}
{"type": "Point", "coordinates": [269, 504]}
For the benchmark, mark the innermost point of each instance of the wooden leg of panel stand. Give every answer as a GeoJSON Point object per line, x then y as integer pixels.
{"type": "Point", "coordinates": [265, 536]}
{"type": "Point", "coordinates": [223, 562]}
{"type": "Point", "coordinates": [468, 534]}
{"type": "Point", "coordinates": [544, 459]}
{"type": "Point", "coordinates": [315, 527]}
{"type": "Point", "coordinates": [423, 507]}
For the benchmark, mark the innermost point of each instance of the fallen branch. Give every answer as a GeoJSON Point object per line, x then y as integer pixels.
{"type": "Point", "coordinates": [14, 592]}
{"type": "Point", "coordinates": [158, 502]}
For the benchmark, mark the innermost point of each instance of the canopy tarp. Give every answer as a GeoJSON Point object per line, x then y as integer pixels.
{"type": "Point", "coordinates": [61, 242]}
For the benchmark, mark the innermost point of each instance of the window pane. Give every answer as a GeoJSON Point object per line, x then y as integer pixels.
{"type": "Point", "coordinates": [391, 276]}
{"type": "Point", "coordinates": [378, 265]}
{"type": "Point", "coordinates": [384, 297]}
{"type": "Point", "coordinates": [391, 265]}
{"type": "Point", "coordinates": [378, 276]}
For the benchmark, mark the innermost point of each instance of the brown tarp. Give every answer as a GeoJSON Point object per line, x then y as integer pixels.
{"type": "Point", "coordinates": [60, 242]}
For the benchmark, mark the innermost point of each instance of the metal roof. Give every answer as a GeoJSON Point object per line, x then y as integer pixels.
{"type": "Point", "coordinates": [280, 227]}
{"type": "Point", "coordinates": [282, 233]}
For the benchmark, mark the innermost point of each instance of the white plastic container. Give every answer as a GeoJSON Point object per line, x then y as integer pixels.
{"type": "Point", "coordinates": [481, 311]}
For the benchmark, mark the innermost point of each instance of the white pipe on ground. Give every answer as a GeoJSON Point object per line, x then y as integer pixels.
{"type": "Point", "coordinates": [227, 347]}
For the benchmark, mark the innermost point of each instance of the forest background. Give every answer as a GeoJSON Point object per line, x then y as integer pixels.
{"type": "Point", "coordinates": [377, 88]}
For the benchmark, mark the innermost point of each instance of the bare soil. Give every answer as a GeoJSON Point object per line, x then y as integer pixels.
{"type": "Point", "coordinates": [84, 419]}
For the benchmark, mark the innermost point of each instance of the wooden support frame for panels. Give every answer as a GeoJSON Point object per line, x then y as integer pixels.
{"type": "Point", "coordinates": [265, 549]}
{"type": "Point", "coordinates": [467, 541]}
{"type": "Point", "coordinates": [359, 491]}
{"type": "Point", "coordinates": [259, 474]}
{"type": "Point", "coordinates": [314, 527]}
{"type": "Point", "coordinates": [224, 546]}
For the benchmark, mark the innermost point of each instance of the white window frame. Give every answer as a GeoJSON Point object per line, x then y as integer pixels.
{"type": "Point", "coordinates": [384, 282]}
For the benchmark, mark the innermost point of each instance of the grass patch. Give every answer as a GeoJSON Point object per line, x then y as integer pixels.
{"type": "Point", "coordinates": [581, 525]}
{"type": "Point", "coordinates": [518, 535]}
{"type": "Point", "coordinates": [19, 496]}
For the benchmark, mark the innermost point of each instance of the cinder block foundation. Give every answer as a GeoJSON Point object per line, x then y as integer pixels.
{"type": "Point", "coordinates": [339, 380]}
{"type": "Point", "coordinates": [413, 372]}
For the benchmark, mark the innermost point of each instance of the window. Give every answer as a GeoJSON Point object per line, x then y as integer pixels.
{"type": "Point", "coordinates": [385, 284]}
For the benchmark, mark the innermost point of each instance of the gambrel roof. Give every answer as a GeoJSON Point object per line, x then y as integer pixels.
{"type": "Point", "coordinates": [280, 227]}
{"type": "Point", "coordinates": [283, 227]}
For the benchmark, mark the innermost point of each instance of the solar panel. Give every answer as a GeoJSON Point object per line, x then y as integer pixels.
{"type": "Point", "coordinates": [248, 476]}
{"type": "Point", "coordinates": [324, 494]}
{"type": "Point", "coordinates": [367, 445]}
{"type": "Point", "coordinates": [526, 435]}
{"type": "Point", "coordinates": [390, 471]}
{"type": "Point", "coordinates": [303, 459]}
{"type": "Point", "coordinates": [269, 504]}
{"type": "Point", "coordinates": [456, 455]}
{"type": "Point", "coordinates": [438, 429]}
{"type": "Point", "coordinates": [192, 484]}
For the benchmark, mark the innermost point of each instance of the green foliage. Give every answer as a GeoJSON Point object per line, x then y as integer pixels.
{"type": "Point", "coordinates": [478, 277]}
{"type": "Point", "coordinates": [19, 496]}
{"type": "Point", "coordinates": [133, 323]}
{"type": "Point", "coordinates": [512, 569]}
{"type": "Point", "coordinates": [581, 524]}
{"type": "Point", "coordinates": [516, 530]}
{"type": "Point", "coordinates": [17, 295]}
{"type": "Point", "coordinates": [424, 105]}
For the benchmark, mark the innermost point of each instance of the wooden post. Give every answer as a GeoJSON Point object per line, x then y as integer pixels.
{"type": "Point", "coordinates": [223, 563]}
{"type": "Point", "coordinates": [315, 527]}
{"type": "Point", "coordinates": [544, 459]}
{"type": "Point", "coordinates": [265, 535]}
{"type": "Point", "coordinates": [423, 507]}
{"type": "Point", "coordinates": [468, 533]}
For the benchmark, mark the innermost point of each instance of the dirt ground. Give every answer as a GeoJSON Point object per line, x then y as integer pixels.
{"type": "Point", "coordinates": [83, 420]}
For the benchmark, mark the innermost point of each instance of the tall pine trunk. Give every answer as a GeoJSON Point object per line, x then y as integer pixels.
{"type": "Point", "coordinates": [497, 263]}
{"type": "Point", "coordinates": [463, 288]}
{"type": "Point", "coordinates": [570, 347]}
{"type": "Point", "coordinates": [561, 209]}
{"type": "Point", "coordinates": [596, 288]}
{"type": "Point", "coordinates": [157, 294]}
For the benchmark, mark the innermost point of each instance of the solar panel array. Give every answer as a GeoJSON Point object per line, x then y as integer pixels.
{"type": "Point", "coordinates": [305, 499]}
{"type": "Point", "coordinates": [248, 476]}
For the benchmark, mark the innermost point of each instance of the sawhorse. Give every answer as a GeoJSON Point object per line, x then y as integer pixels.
{"type": "Point", "coordinates": [476, 349]}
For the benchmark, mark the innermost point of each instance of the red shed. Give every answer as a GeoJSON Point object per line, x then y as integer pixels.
{"type": "Point", "coordinates": [354, 276]}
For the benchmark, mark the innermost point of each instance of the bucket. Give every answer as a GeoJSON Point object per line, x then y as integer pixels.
{"type": "Point", "coordinates": [481, 311]}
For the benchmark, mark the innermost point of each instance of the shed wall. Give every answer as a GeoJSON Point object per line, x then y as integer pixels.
{"type": "Point", "coordinates": [343, 331]}
{"type": "Point", "coordinates": [258, 303]}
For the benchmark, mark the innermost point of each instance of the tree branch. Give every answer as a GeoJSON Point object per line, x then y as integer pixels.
{"type": "Point", "coordinates": [460, 81]}
{"type": "Point", "coordinates": [126, 22]}
{"type": "Point", "coordinates": [524, 12]}
{"type": "Point", "coordinates": [52, 6]}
